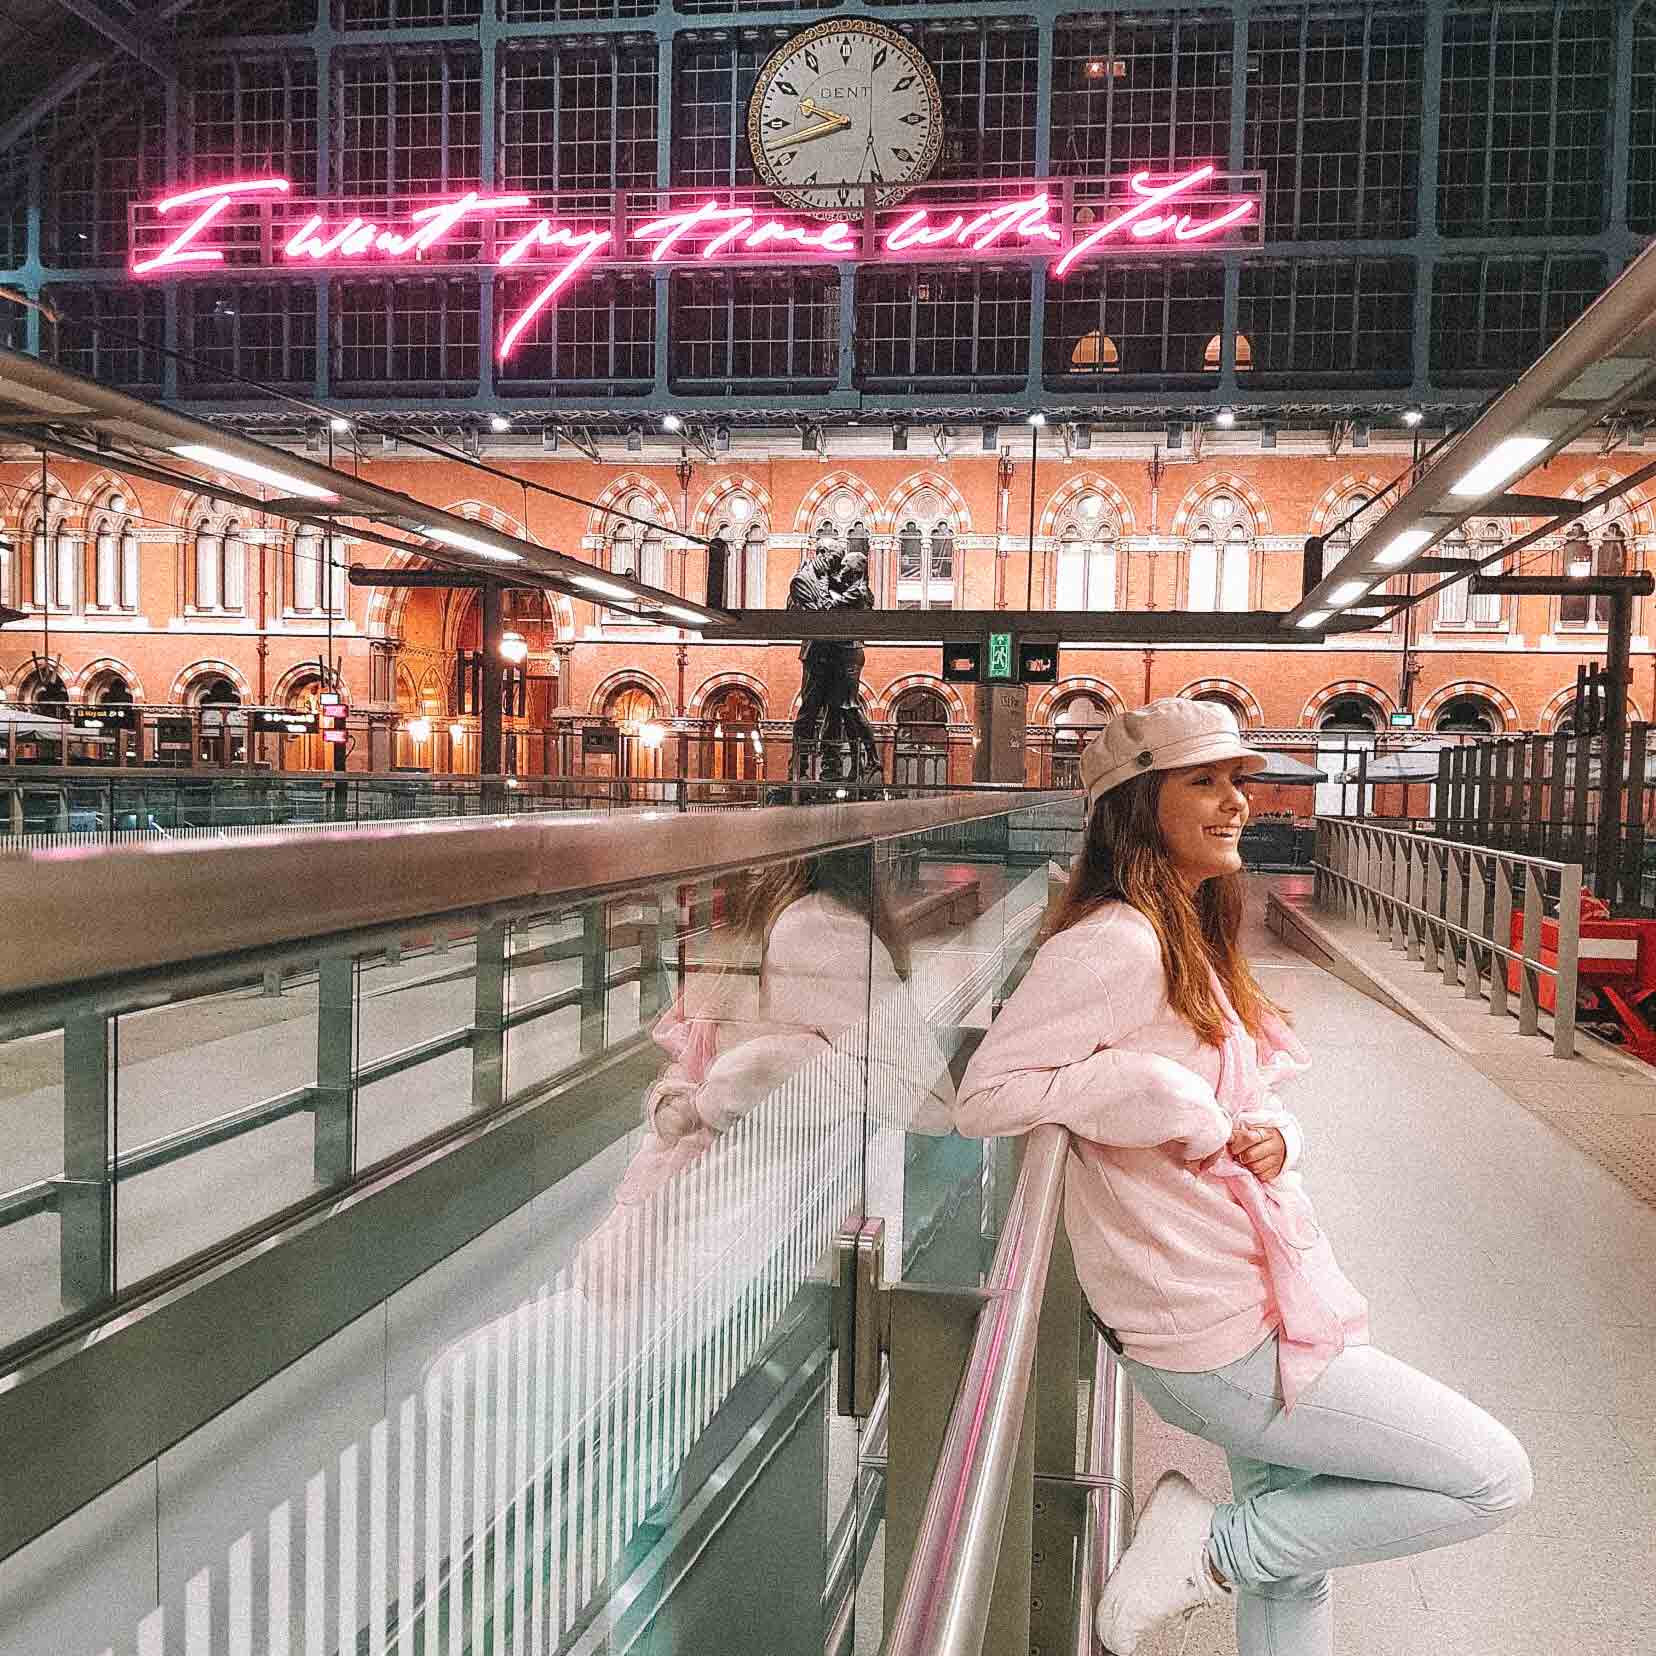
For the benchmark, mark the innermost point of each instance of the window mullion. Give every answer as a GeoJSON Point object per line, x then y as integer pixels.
{"type": "Point", "coordinates": [1489, 120]}
{"type": "Point", "coordinates": [1552, 110]}
{"type": "Point", "coordinates": [1363, 121]}
{"type": "Point", "coordinates": [1299, 129]}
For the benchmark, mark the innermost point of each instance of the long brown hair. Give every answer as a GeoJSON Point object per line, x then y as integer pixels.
{"type": "Point", "coordinates": [1125, 859]}
{"type": "Point", "coordinates": [842, 875]}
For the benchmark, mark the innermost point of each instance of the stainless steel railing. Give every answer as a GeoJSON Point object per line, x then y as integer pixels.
{"type": "Point", "coordinates": [957, 1598]}
{"type": "Point", "coordinates": [1452, 907]}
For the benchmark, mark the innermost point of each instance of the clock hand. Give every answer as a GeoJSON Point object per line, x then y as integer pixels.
{"type": "Point", "coordinates": [826, 124]}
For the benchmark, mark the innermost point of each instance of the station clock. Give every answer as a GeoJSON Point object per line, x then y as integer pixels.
{"type": "Point", "coordinates": [842, 105]}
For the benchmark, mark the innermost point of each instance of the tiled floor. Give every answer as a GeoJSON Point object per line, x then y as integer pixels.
{"type": "Point", "coordinates": [1500, 1258]}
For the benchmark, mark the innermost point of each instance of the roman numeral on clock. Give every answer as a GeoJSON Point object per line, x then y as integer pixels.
{"type": "Point", "coordinates": [788, 87]}
{"type": "Point", "coordinates": [913, 118]}
{"type": "Point", "coordinates": [903, 154]}
{"type": "Point", "coordinates": [904, 84]}
{"type": "Point", "coordinates": [845, 48]}
{"type": "Point", "coordinates": [880, 56]}
{"type": "Point", "coordinates": [775, 124]}
{"type": "Point", "coordinates": [811, 59]}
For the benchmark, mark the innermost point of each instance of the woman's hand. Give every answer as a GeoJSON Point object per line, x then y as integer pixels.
{"type": "Point", "coordinates": [1262, 1150]}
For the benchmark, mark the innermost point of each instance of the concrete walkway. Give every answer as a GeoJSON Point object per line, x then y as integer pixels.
{"type": "Point", "coordinates": [1502, 1258]}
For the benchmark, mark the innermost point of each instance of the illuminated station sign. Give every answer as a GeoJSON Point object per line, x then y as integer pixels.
{"type": "Point", "coordinates": [254, 224]}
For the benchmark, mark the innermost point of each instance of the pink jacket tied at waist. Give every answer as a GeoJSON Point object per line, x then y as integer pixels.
{"type": "Point", "coordinates": [1312, 1303]}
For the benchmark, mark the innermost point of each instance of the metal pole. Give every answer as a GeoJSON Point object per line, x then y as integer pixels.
{"type": "Point", "coordinates": [1034, 459]}
{"type": "Point", "coordinates": [1618, 646]}
{"type": "Point", "coordinates": [489, 696]}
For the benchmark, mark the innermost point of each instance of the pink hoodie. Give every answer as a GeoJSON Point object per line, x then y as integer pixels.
{"type": "Point", "coordinates": [1186, 1255]}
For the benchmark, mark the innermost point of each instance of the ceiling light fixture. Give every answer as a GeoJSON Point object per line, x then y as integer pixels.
{"type": "Point", "coordinates": [1348, 592]}
{"type": "Point", "coordinates": [671, 422]}
{"type": "Point", "coordinates": [1037, 418]}
{"type": "Point", "coordinates": [205, 455]}
{"type": "Point", "coordinates": [499, 422]}
{"type": "Point", "coordinates": [1502, 462]}
{"type": "Point", "coordinates": [1314, 619]}
{"type": "Point", "coordinates": [339, 423]}
{"type": "Point", "coordinates": [469, 543]}
{"type": "Point", "coordinates": [1413, 416]}
{"type": "Point", "coordinates": [1225, 417]}
{"type": "Point", "coordinates": [1403, 547]}
{"type": "Point", "coordinates": [609, 589]}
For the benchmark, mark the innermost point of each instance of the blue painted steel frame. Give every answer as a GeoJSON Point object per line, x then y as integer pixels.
{"type": "Point", "coordinates": [1616, 243]}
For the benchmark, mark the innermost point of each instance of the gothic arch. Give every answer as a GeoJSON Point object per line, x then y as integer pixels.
{"type": "Point", "coordinates": [712, 502]}
{"type": "Point", "coordinates": [1555, 706]}
{"type": "Point", "coordinates": [1323, 513]}
{"type": "Point", "coordinates": [101, 483]}
{"type": "Point", "coordinates": [290, 681]}
{"type": "Point", "coordinates": [1345, 687]}
{"type": "Point", "coordinates": [1087, 484]}
{"type": "Point", "coordinates": [30, 665]}
{"type": "Point", "coordinates": [722, 681]}
{"type": "Point", "coordinates": [915, 484]}
{"type": "Point", "coordinates": [1498, 699]}
{"type": "Point", "coordinates": [28, 499]}
{"type": "Point", "coordinates": [806, 516]}
{"type": "Point", "coordinates": [886, 701]}
{"type": "Point", "coordinates": [387, 605]}
{"type": "Point", "coordinates": [78, 683]}
{"type": "Point", "coordinates": [630, 483]}
{"type": "Point", "coordinates": [1226, 483]}
{"type": "Point", "coordinates": [634, 678]}
{"type": "Point", "coordinates": [1238, 693]}
{"type": "Point", "coordinates": [198, 670]}
{"type": "Point", "coordinates": [1054, 694]}
{"type": "Point", "coordinates": [1641, 520]}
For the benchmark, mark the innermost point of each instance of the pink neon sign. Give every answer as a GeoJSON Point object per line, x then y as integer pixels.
{"type": "Point", "coordinates": [1064, 220]}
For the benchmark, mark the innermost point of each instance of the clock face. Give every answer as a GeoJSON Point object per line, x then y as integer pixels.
{"type": "Point", "coordinates": [840, 106]}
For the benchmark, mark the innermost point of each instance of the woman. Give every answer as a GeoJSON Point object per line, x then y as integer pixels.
{"type": "Point", "coordinates": [1140, 1028]}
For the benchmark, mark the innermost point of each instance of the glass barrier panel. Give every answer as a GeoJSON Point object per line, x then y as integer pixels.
{"type": "Point", "coordinates": [32, 1088]}
{"type": "Point", "coordinates": [418, 1041]}
{"type": "Point", "coordinates": [219, 1118]}
{"type": "Point", "coordinates": [550, 1023]}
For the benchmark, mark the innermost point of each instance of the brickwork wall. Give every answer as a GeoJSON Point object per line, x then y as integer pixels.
{"type": "Point", "coordinates": [1525, 666]}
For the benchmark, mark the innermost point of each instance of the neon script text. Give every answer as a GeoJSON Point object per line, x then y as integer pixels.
{"type": "Point", "coordinates": [502, 231]}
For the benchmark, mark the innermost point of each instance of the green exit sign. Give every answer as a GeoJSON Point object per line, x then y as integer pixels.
{"type": "Point", "coordinates": [1000, 655]}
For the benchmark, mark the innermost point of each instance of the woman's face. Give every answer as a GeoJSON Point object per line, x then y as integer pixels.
{"type": "Point", "coordinates": [1201, 814]}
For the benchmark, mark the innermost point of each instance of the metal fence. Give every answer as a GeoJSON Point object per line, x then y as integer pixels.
{"type": "Point", "coordinates": [1493, 921]}
{"type": "Point", "coordinates": [1544, 796]}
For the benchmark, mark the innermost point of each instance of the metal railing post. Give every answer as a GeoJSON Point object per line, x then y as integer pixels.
{"type": "Point", "coordinates": [333, 1144]}
{"type": "Point", "coordinates": [652, 986]}
{"type": "Point", "coordinates": [488, 1034]}
{"type": "Point", "coordinates": [86, 1192]}
{"type": "Point", "coordinates": [1529, 967]}
{"type": "Point", "coordinates": [594, 977]}
{"type": "Point", "coordinates": [1453, 907]}
{"type": "Point", "coordinates": [1475, 924]}
{"type": "Point", "coordinates": [1568, 963]}
{"type": "Point", "coordinates": [1498, 967]}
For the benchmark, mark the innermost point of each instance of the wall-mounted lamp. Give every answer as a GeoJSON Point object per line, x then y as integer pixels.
{"type": "Point", "coordinates": [419, 730]}
{"type": "Point", "coordinates": [899, 439]}
{"type": "Point", "coordinates": [514, 648]}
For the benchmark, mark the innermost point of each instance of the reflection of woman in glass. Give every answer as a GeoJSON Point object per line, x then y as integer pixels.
{"type": "Point", "coordinates": [1141, 1029]}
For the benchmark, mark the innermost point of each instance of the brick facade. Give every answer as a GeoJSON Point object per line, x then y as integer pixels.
{"type": "Point", "coordinates": [168, 645]}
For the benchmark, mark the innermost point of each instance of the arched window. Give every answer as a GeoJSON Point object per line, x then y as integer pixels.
{"type": "Point", "coordinates": [1075, 721]}
{"type": "Point", "coordinates": [316, 574]}
{"type": "Point", "coordinates": [1220, 539]}
{"type": "Point", "coordinates": [43, 691]}
{"type": "Point", "coordinates": [733, 746]}
{"type": "Point", "coordinates": [114, 564]}
{"type": "Point", "coordinates": [639, 551]}
{"type": "Point", "coordinates": [1351, 714]}
{"type": "Point", "coordinates": [223, 729]}
{"type": "Point", "coordinates": [921, 750]}
{"type": "Point", "coordinates": [54, 575]}
{"type": "Point", "coordinates": [1458, 605]}
{"type": "Point", "coordinates": [634, 709]}
{"type": "Point", "coordinates": [218, 568]}
{"type": "Point", "coordinates": [748, 537]}
{"type": "Point", "coordinates": [1469, 716]}
{"type": "Point", "coordinates": [1244, 353]}
{"type": "Point", "coordinates": [1594, 548]}
{"type": "Point", "coordinates": [1095, 353]}
{"type": "Point", "coordinates": [926, 554]}
{"type": "Point", "coordinates": [1351, 520]}
{"type": "Point", "coordinates": [1086, 564]}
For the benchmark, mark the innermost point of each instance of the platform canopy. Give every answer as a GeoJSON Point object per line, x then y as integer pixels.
{"type": "Point", "coordinates": [1603, 365]}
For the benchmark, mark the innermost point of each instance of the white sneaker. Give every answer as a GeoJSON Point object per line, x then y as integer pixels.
{"type": "Point", "coordinates": [1164, 1572]}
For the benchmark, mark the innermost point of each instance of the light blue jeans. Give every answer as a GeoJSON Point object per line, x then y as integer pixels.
{"type": "Point", "coordinates": [1376, 1461]}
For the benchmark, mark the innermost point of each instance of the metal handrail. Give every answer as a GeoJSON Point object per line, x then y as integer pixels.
{"type": "Point", "coordinates": [391, 874]}
{"type": "Point", "coordinates": [951, 1576]}
{"type": "Point", "coordinates": [1373, 871]}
